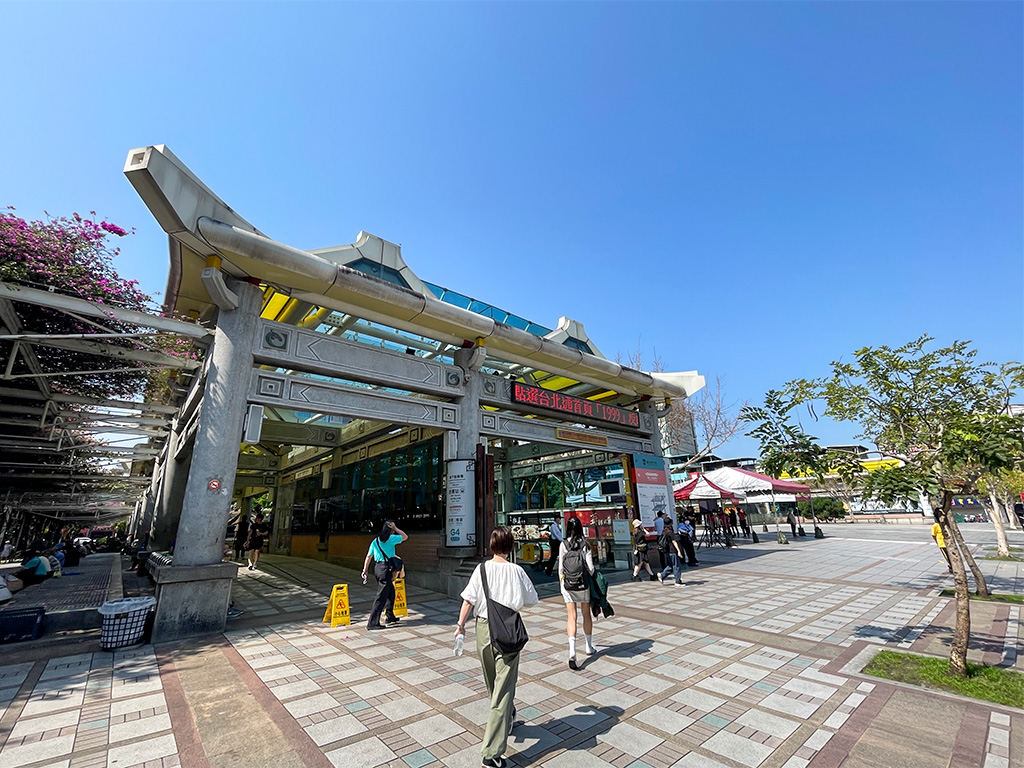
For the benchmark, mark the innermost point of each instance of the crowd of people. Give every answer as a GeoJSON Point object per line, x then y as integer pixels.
{"type": "Point", "coordinates": [44, 558]}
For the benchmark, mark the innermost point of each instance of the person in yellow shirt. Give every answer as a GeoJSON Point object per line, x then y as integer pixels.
{"type": "Point", "coordinates": [940, 540]}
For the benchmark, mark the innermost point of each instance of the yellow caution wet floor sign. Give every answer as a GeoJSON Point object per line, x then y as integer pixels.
{"type": "Point", "coordinates": [337, 610]}
{"type": "Point", "coordinates": [401, 608]}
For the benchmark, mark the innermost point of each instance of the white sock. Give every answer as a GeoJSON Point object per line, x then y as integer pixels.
{"type": "Point", "coordinates": [572, 647]}
{"type": "Point", "coordinates": [590, 643]}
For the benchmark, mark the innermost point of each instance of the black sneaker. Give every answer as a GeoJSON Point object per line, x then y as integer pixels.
{"type": "Point", "coordinates": [494, 762]}
{"type": "Point", "coordinates": [572, 663]}
{"type": "Point", "coordinates": [392, 620]}
{"type": "Point", "coordinates": [373, 629]}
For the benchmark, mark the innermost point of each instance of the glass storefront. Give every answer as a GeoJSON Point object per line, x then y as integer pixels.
{"type": "Point", "coordinates": [540, 499]}
{"type": "Point", "coordinates": [403, 485]}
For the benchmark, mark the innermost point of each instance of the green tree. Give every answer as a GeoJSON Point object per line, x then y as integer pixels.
{"type": "Point", "coordinates": [945, 416]}
{"type": "Point", "coordinates": [787, 449]}
{"type": "Point", "coordinates": [824, 508]}
{"type": "Point", "coordinates": [1001, 488]}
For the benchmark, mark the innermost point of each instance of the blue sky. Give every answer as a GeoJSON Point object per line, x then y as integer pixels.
{"type": "Point", "coordinates": [750, 189]}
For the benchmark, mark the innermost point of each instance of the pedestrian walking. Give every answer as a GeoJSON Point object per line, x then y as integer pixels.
{"type": "Point", "coordinates": [382, 553]}
{"type": "Point", "coordinates": [743, 522]}
{"type": "Point", "coordinates": [255, 540]}
{"type": "Point", "coordinates": [640, 551]}
{"type": "Point", "coordinates": [734, 523]}
{"type": "Point", "coordinates": [554, 543]}
{"type": "Point", "coordinates": [671, 554]}
{"type": "Point", "coordinates": [791, 519]}
{"type": "Point", "coordinates": [940, 541]}
{"type": "Point", "coordinates": [241, 534]}
{"type": "Point", "coordinates": [575, 568]}
{"type": "Point", "coordinates": [506, 588]}
{"type": "Point", "coordinates": [686, 536]}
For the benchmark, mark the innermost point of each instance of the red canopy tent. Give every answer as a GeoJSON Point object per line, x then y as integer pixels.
{"type": "Point", "coordinates": [701, 488]}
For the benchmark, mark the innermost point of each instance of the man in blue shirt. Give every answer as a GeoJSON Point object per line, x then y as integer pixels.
{"type": "Point", "coordinates": [685, 537]}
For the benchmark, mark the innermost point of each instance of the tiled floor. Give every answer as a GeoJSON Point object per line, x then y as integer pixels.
{"type": "Point", "coordinates": [652, 693]}
{"type": "Point", "coordinates": [93, 709]}
{"type": "Point", "coordinates": [736, 669]}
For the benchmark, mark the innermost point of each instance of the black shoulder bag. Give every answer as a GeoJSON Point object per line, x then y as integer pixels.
{"type": "Point", "coordinates": [508, 633]}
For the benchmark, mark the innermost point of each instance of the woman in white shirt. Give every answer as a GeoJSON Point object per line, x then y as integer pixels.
{"type": "Point", "coordinates": [575, 585]}
{"type": "Point", "coordinates": [510, 586]}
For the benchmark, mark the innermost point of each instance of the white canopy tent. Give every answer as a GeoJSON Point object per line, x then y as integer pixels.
{"type": "Point", "coordinates": [760, 489]}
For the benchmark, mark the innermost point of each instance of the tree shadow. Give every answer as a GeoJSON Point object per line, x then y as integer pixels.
{"type": "Point", "coordinates": [980, 642]}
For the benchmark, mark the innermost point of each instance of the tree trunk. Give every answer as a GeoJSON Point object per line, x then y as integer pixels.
{"type": "Point", "coordinates": [1011, 516]}
{"type": "Point", "coordinates": [926, 504]}
{"type": "Point", "coordinates": [962, 625]}
{"type": "Point", "coordinates": [981, 586]}
{"type": "Point", "coordinates": [1003, 549]}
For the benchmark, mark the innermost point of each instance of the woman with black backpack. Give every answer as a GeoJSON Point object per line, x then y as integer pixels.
{"type": "Point", "coordinates": [575, 567]}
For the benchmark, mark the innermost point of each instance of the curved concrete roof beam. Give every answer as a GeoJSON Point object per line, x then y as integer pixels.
{"type": "Point", "coordinates": [195, 217]}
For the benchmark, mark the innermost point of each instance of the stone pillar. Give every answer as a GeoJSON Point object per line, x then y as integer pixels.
{"type": "Point", "coordinates": [466, 440]}
{"type": "Point", "coordinates": [194, 590]}
{"type": "Point", "coordinates": [172, 494]}
{"type": "Point", "coordinates": [508, 486]}
{"type": "Point", "coordinates": [658, 443]}
{"type": "Point", "coordinates": [284, 498]}
{"type": "Point", "coordinates": [149, 501]}
{"type": "Point", "coordinates": [148, 511]}
{"type": "Point", "coordinates": [469, 360]}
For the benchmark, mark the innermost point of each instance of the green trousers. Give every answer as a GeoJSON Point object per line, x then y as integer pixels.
{"type": "Point", "coordinates": [500, 675]}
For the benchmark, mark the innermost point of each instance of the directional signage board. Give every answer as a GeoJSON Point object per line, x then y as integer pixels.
{"type": "Point", "coordinates": [572, 406]}
{"type": "Point", "coordinates": [535, 430]}
{"type": "Point", "coordinates": [516, 396]}
{"type": "Point", "coordinates": [652, 486]}
{"type": "Point", "coordinates": [280, 390]}
{"type": "Point", "coordinates": [460, 514]}
{"type": "Point", "coordinates": [291, 348]}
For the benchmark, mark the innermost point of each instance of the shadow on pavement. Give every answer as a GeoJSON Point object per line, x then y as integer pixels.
{"type": "Point", "coordinates": [620, 651]}
{"type": "Point", "coordinates": [592, 720]}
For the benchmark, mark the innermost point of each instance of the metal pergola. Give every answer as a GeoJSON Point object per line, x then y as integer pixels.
{"type": "Point", "coordinates": [68, 458]}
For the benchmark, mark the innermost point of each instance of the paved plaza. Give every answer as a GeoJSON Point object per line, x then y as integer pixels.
{"type": "Point", "coordinates": [753, 662]}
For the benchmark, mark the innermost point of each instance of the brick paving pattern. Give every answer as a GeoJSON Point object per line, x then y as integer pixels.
{"type": "Point", "coordinates": [740, 667]}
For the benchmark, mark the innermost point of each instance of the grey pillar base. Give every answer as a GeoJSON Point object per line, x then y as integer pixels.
{"type": "Point", "coordinates": [451, 560]}
{"type": "Point", "coordinates": [623, 554]}
{"type": "Point", "coordinates": [191, 600]}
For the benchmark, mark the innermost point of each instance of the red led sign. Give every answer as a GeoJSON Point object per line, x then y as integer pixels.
{"type": "Point", "coordinates": [572, 405]}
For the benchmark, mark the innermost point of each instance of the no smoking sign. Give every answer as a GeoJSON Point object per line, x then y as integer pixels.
{"type": "Point", "coordinates": [214, 485]}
